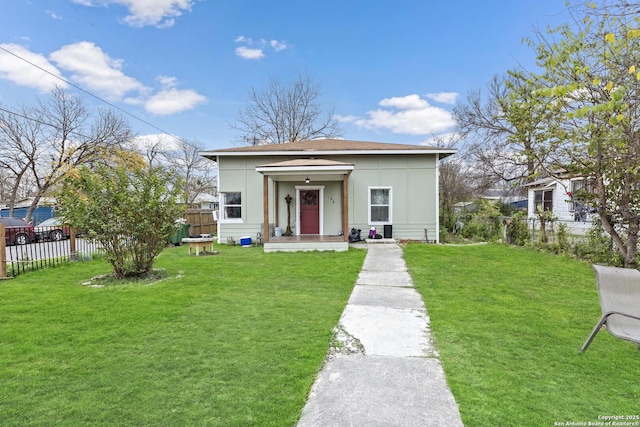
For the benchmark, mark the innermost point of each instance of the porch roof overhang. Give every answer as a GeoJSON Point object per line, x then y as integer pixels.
{"type": "Point", "coordinates": [300, 169]}
{"type": "Point", "coordinates": [544, 183]}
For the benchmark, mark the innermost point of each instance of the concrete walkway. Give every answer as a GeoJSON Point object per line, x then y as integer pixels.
{"type": "Point", "coordinates": [384, 371]}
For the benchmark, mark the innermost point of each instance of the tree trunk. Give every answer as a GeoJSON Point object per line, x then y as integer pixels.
{"type": "Point", "coordinates": [32, 207]}
{"type": "Point", "coordinates": [630, 260]}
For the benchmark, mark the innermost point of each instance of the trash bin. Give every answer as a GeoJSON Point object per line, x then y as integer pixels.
{"type": "Point", "coordinates": [181, 231]}
{"type": "Point", "coordinates": [387, 231]}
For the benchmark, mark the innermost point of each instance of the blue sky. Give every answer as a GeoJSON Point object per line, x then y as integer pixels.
{"type": "Point", "coordinates": [391, 71]}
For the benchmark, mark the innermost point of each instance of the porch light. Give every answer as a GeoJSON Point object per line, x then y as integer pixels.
{"type": "Point", "coordinates": [307, 180]}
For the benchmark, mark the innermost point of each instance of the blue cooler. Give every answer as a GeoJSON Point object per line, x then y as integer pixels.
{"type": "Point", "coordinates": [245, 241]}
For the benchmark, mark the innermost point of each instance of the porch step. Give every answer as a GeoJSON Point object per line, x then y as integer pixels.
{"type": "Point", "coordinates": [378, 241]}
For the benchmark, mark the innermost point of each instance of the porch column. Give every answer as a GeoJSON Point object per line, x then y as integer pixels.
{"type": "Point", "coordinates": [345, 207]}
{"type": "Point", "coordinates": [265, 204]}
{"type": "Point", "coordinates": [276, 205]}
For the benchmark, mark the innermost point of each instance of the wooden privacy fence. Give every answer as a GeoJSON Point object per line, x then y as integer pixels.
{"type": "Point", "coordinates": [201, 221]}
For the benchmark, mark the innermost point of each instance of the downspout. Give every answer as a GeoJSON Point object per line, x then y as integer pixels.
{"type": "Point", "coordinates": [437, 198]}
{"type": "Point", "coordinates": [219, 201]}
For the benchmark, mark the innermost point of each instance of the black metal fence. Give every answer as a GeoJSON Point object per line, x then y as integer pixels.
{"type": "Point", "coordinates": [26, 249]}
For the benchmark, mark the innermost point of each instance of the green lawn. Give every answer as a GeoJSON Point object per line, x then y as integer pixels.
{"type": "Point", "coordinates": [509, 323]}
{"type": "Point", "coordinates": [234, 339]}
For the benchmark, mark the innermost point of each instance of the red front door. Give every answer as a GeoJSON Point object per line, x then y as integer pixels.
{"type": "Point", "coordinates": [309, 212]}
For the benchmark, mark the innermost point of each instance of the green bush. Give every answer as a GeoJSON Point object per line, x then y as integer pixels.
{"type": "Point", "coordinates": [128, 209]}
{"type": "Point", "coordinates": [562, 237]}
{"type": "Point", "coordinates": [485, 224]}
{"type": "Point", "coordinates": [518, 230]}
{"type": "Point", "coordinates": [598, 248]}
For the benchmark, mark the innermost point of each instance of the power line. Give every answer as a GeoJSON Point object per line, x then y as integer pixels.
{"type": "Point", "coordinates": [89, 93]}
{"type": "Point", "coordinates": [40, 122]}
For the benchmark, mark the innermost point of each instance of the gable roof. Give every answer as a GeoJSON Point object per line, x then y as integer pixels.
{"type": "Point", "coordinates": [328, 146]}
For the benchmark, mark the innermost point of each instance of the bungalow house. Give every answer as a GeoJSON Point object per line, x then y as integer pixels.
{"type": "Point", "coordinates": [311, 193]}
{"type": "Point", "coordinates": [560, 196]}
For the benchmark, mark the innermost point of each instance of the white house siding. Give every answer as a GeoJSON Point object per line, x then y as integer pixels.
{"type": "Point", "coordinates": [561, 208]}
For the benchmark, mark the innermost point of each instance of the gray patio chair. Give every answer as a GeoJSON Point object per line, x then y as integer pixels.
{"type": "Point", "coordinates": [619, 290]}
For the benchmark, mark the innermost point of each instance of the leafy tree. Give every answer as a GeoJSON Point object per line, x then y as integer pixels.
{"type": "Point", "coordinates": [124, 205]}
{"type": "Point", "coordinates": [285, 113]}
{"type": "Point", "coordinates": [591, 72]}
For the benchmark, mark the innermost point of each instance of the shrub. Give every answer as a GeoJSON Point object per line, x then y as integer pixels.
{"type": "Point", "coordinates": [518, 230]}
{"type": "Point", "coordinates": [562, 236]}
{"type": "Point", "coordinates": [485, 224]}
{"type": "Point", "coordinates": [129, 210]}
{"type": "Point", "coordinates": [598, 248]}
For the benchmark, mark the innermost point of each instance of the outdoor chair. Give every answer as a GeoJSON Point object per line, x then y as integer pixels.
{"type": "Point", "coordinates": [619, 290]}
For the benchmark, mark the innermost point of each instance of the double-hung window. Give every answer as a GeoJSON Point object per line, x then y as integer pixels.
{"type": "Point", "coordinates": [231, 207]}
{"type": "Point", "coordinates": [543, 200]}
{"type": "Point", "coordinates": [380, 199]}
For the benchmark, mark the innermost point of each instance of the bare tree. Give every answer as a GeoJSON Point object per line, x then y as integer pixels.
{"type": "Point", "coordinates": [505, 126]}
{"type": "Point", "coordinates": [71, 137]}
{"type": "Point", "coordinates": [153, 148]}
{"type": "Point", "coordinates": [195, 170]}
{"type": "Point", "coordinates": [285, 113]}
{"type": "Point", "coordinates": [20, 143]}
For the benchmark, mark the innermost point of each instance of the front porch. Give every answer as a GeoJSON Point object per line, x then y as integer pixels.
{"type": "Point", "coordinates": [306, 243]}
{"type": "Point", "coordinates": [316, 185]}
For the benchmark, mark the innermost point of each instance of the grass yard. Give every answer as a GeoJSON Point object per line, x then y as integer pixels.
{"type": "Point", "coordinates": [509, 323]}
{"type": "Point", "coordinates": [228, 340]}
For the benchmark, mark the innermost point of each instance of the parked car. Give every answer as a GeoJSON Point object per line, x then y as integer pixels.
{"type": "Point", "coordinates": [52, 229]}
{"type": "Point", "coordinates": [17, 231]}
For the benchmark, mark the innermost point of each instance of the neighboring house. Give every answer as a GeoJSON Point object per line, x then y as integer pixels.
{"type": "Point", "coordinates": [42, 212]}
{"type": "Point", "coordinates": [560, 196]}
{"type": "Point", "coordinates": [505, 197]}
{"type": "Point", "coordinates": [206, 201]}
{"type": "Point", "coordinates": [464, 207]}
{"type": "Point", "coordinates": [332, 185]}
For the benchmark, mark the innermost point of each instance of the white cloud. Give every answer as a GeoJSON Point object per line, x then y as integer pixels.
{"type": "Point", "coordinates": [53, 15]}
{"type": "Point", "coordinates": [278, 45]}
{"type": "Point", "coordinates": [147, 142]}
{"type": "Point", "coordinates": [345, 119]}
{"type": "Point", "coordinates": [409, 102]}
{"type": "Point", "coordinates": [159, 13]}
{"type": "Point", "coordinates": [95, 70]}
{"type": "Point", "coordinates": [405, 115]}
{"type": "Point", "coordinates": [167, 81]}
{"type": "Point", "coordinates": [443, 97]}
{"type": "Point", "coordinates": [249, 53]}
{"type": "Point", "coordinates": [255, 50]}
{"type": "Point", "coordinates": [171, 101]}
{"type": "Point", "coordinates": [24, 73]}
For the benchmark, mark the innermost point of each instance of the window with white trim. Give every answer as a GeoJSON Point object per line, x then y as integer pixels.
{"type": "Point", "coordinates": [543, 200]}
{"type": "Point", "coordinates": [231, 206]}
{"type": "Point", "coordinates": [380, 205]}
